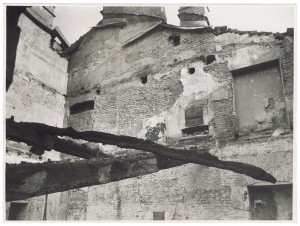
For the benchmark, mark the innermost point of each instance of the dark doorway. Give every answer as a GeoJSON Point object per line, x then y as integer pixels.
{"type": "Point", "coordinates": [17, 211]}
{"type": "Point", "coordinates": [272, 202]}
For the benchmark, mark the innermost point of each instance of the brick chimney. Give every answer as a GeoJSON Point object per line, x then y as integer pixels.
{"type": "Point", "coordinates": [134, 13]}
{"type": "Point", "coordinates": [193, 16]}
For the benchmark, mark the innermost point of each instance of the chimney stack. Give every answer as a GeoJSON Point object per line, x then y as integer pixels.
{"type": "Point", "coordinates": [193, 16]}
{"type": "Point", "coordinates": [132, 12]}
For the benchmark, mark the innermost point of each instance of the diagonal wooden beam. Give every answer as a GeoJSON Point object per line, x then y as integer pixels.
{"type": "Point", "coordinates": [203, 157]}
{"type": "Point", "coordinates": [43, 141]}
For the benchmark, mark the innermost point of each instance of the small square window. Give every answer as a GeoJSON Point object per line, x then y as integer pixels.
{"type": "Point", "coordinates": [158, 215]}
{"type": "Point", "coordinates": [82, 107]}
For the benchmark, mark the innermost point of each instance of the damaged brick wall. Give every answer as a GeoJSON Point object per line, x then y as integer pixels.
{"type": "Point", "coordinates": [287, 71]}
{"type": "Point", "coordinates": [141, 78]}
{"type": "Point", "coordinates": [37, 94]}
{"type": "Point", "coordinates": [143, 89]}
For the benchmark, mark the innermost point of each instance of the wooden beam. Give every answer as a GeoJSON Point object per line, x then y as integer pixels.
{"type": "Point", "coordinates": [202, 157]}
{"type": "Point", "coordinates": [27, 180]}
{"type": "Point", "coordinates": [44, 141]}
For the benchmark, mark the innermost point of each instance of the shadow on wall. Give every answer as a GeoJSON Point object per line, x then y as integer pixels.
{"type": "Point", "coordinates": [12, 39]}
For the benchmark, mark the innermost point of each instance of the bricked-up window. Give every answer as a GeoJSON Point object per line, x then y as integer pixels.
{"type": "Point", "coordinates": [82, 107]}
{"type": "Point", "coordinates": [259, 98]}
{"type": "Point", "coordinates": [158, 215]}
{"type": "Point", "coordinates": [194, 121]}
{"type": "Point", "coordinates": [194, 116]}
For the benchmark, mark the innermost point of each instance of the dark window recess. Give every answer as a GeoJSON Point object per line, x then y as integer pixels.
{"type": "Point", "coordinates": [158, 215]}
{"type": "Point", "coordinates": [82, 107]}
{"type": "Point", "coordinates": [144, 79]}
{"type": "Point", "coordinates": [194, 122]}
{"type": "Point", "coordinates": [191, 70]}
{"type": "Point", "coordinates": [207, 59]}
{"type": "Point", "coordinates": [203, 129]}
{"type": "Point", "coordinates": [210, 59]}
{"type": "Point", "coordinates": [175, 40]}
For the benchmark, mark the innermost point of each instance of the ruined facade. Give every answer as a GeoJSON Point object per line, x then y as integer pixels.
{"type": "Point", "coordinates": [36, 93]}
{"type": "Point", "coordinates": [185, 87]}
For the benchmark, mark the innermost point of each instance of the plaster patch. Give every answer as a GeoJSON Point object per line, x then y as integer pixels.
{"type": "Point", "coordinates": [186, 55]}
{"type": "Point", "coordinates": [218, 47]}
{"type": "Point", "coordinates": [198, 82]}
{"type": "Point", "coordinates": [152, 123]}
{"type": "Point", "coordinates": [252, 55]}
{"type": "Point", "coordinates": [196, 86]}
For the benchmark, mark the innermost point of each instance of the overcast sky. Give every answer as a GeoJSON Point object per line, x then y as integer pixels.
{"type": "Point", "coordinates": [76, 20]}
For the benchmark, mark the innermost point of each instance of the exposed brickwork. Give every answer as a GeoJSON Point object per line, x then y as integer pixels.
{"type": "Point", "coordinates": [124, 104]}
{"type": "Point", "coordinates": [287, 70]}
{"type": "Point", "coordinates": [105, 70]}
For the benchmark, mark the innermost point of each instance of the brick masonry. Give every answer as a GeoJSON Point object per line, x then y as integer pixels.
{"type": "Point", "coordinates": [104, 70]}
{"type": "Point", "coordinates": [126, 106]}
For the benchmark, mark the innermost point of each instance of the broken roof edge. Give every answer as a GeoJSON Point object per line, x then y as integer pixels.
{"type": "Point", "coordinates": [215, 30]}
{"type": "Point", "coordinates": [111, 22]}
{"type": "Point", "coordinates": [223, 29]}
{"type": "Point", "coordinates": [132, 39]}
{"type": "Point", "coordinates": [56, 32]}
{"type": "Point", "coordinates": [33, 17]}
{"type": "Point", "coordinates": [163, 25]}
{"type": "Point", "coordinates": [184, 28]}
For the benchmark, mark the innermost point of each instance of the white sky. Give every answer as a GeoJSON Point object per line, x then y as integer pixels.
{"type": "Point", "coordinates": [76, 20]}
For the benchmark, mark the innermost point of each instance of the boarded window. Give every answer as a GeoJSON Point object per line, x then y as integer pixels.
{"type": "Point", "coordinates": [259, 98]}
{"type": "Point", "coordinates": [194, 116]}
{"type": "Point", "coordinates": [158, 215]}
{"type": "Point", "coordinates": [82, 107]}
